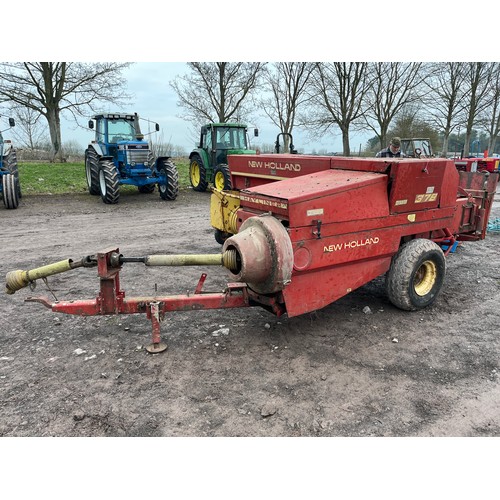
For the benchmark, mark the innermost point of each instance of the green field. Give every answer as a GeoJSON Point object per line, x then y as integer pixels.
{"type": "Point", "coordinates": [67, 178]}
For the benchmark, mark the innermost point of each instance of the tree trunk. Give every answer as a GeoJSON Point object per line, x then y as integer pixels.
{"type": "Point", "coordinates": [54, 121]}
{"type": "Point", "coordinates": [446, 141]}
{"type": "Point", "coordinates": [345, 143]}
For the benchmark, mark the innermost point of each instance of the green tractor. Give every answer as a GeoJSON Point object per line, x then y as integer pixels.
{"type": "Point", "coordinates": [208, 162]}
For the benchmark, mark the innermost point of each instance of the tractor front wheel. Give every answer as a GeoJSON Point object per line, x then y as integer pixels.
{"type": "Point", "coordinates": [108, 182]}
{"type": "Point", "coordinates": [10, 191]}
{"type": "Point", "coordinates": [92, 171]}
{"type": "Point", "coordinates": [170, 189]}
{"type": "Point", "coordinates": [416, 275]}
{"type": "Point", "coordinates": [197, 174]}
{"type": "Point", "coordinates": [222, 178]}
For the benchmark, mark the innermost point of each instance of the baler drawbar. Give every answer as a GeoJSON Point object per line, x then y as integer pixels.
{"type": "Point", "coordinates": [303, 242]}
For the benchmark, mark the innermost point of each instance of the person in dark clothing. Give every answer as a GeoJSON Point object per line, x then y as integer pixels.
{"type": "Point", "coordinates": [391, 151]}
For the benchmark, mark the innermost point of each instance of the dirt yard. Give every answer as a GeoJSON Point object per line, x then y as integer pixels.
{"type": "Point", "coordinates": [359, 367]}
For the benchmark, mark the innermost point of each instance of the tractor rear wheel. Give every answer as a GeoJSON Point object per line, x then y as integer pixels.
{"type": "Point", "coordinates": [10, 191]}
{"type": "Point", "coordinates": [92, 171]}
{"type": "Point", "coordinates": [222, 178]}
{"type": "Point", "coordinates": [170, 190]}
{"type": "Point", "coordinates": [197, 174]}
{"type": "Point", "coordinates": [416, 275]}
{"type": "Point", "coordinates": [108, 182]}
{"type": "Point", "coordinates": [11, 163]}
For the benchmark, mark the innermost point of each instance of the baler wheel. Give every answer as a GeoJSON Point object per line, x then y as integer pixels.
{"type": "Point", "coordinates": [108, 182]}
{"type": "Point", "coordinates": [170, 190]}
{"type": "Point", "coordinates": [197, 174]}
{"type": "Point", "coordinates": [416, 275]}
{"type": "Point", "coordinates": [92, 171]}
{"type": "Point", "coordinates": [222, 178]}
{"type": "Point", "coordinates": [10, 191]}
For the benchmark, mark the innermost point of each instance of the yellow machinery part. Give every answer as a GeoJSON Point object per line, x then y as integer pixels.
{"type": "Point", "coordinates": [223, 210]}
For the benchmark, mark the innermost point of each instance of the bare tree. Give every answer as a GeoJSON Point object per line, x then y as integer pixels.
{"type": "Point", "coordinates": [445, 101]}
{"type": "Point", "coordinates": [477, 81]}
{"type": "Point", "coordinates": [338, 92]}
{"type": "Point", "coordinates": [52, 88]}
{"type": "Point", "coordinates": [393, 86]}
{"type": "Point", "coordinates": [489, 118]}
{"type": "Point", "coordinates": [29, 132]}
{"type": "Point", "coordinates": [286, 83]}
{"type": "Point", "coordinates": [217, 91]}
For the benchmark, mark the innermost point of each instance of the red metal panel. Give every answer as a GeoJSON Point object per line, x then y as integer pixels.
{"type": "Point", "coordinates": [248, 171]}
{"type": "Point", "coordinates": [333, 283]}
{"type": "Point", "coordinates": [332, 195]}
{"type": "Point", "coordinates": [419, 184]}
{"type": "Point", "coordinates": [381, 165]}
{"type": "Point", "coordinates": [340, 249]}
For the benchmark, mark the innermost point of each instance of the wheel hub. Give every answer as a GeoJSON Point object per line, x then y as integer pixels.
{"type": "Point", "coordinates": [425, 277]}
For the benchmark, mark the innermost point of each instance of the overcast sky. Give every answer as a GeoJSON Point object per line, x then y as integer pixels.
{"type": "Point", "coordinates": [154, 99]}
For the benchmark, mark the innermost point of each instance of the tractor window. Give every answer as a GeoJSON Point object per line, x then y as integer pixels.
{"type": "Point", "coordinates": [120, 130]}
{"type": "Point", "coordinates": [208, 139]}
{"type": "Point", "coordinates": [231, 138]}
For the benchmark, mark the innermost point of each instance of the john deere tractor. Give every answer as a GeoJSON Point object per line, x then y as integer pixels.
{"type": "Point", "coordinates": [208, 162]}
{"type": "Point", "coordinates": [10, 187]}
{"type": "Point", "coordinates": [120, 155]}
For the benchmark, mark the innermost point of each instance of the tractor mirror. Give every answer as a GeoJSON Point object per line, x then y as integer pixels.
{"type": "Point", "coordinates": [256, 132]}
{"type": "Point", "coordinates": [12, 122]}
{"type": "Point", "coordinates": [91, 123]}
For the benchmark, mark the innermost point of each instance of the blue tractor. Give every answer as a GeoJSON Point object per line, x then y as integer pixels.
{"type": "Point", "coordinates": [10, 187]}
{"type": "Point", "coordinates": [120, 155]}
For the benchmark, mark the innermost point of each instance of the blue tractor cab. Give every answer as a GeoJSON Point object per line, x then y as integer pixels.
{"type": "Point", "coordinates": [120, 155]}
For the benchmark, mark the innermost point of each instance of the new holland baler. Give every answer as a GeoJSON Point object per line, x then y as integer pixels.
{"type": "Point", "coordinates": [303, 242]}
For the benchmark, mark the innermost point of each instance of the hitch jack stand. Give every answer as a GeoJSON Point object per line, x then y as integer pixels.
{"type": "Point", "coordinates": [154, 315]}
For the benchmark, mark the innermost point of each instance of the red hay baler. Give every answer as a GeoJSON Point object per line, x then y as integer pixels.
{"type": "Point", "coordinates": [303, 242]}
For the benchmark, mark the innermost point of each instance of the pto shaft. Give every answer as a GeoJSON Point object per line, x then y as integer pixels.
{"type": "Point", "coordinates": [15, 280]}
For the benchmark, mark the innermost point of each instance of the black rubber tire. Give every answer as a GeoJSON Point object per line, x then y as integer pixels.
{"type": "Point", "coordinates": [197, 174]}
{"type": "Point", "coordinates": [221, 236]}
{"type": "Point", "coordinates": [416, 275]}
{"type": "Point", "coordinates": [92, 171]}
{"type": "Point", "coordinates": [11, 164]}
{"type": "Point", "coordinates": [222, 178]}
{"type": "Point", "coordinates": [171, 189]}
{"type": "Point", "coordinates": [10, 191]}
{"type": "Point", "coordinates": [147, 189]}
{"type": "Point", "coordinates": [109, 186]}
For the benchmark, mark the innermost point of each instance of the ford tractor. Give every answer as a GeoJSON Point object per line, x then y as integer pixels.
{"type": "Point", "coordinates": [10, 187]}
{"type": "Point", "coordinates": [208, 162]}
{"type": "Point", "coordinates": [120, 155]}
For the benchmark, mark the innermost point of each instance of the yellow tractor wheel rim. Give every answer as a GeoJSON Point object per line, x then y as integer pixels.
{"type": "Point", "coordinates": [195, 173]}
{"type": "Point", "coordinates": [219, 180]}
{"type": "Point", "coordinates": [425, 278]}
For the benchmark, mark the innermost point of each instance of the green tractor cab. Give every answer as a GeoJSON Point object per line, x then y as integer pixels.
{"type": "Point", "coordinates": [208, 162]}
{"type": "Point", "coordinates": [120, 155]}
